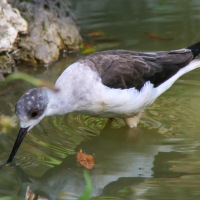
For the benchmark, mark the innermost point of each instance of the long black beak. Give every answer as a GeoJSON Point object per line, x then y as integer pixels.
{"type": "Point", "coordinates": [22, 133]}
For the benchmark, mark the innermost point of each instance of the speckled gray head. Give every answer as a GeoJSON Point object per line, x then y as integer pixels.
{"type": "Point", "coordinates": [31, 106]}
{"type": "Point", "coordinates": [30, 109]}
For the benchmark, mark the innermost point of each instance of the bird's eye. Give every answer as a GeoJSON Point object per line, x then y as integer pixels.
{"type": "Point", "coordinates": [34, 113]}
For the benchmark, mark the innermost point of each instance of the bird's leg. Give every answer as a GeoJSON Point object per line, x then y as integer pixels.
{"type": "Point", "coordinates": [132, 122]}
{"type": "Point", "coordinates": [109, 122]}
{"type": "Point", "coordinates": [133, 132]}
{"type": "Point", "coordinates": [107, 126]}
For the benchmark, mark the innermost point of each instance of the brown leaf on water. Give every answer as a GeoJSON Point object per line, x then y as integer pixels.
{"type": "Point", "coordinates": [86, 160]}
{"type": "Point", "coordinates": [157, 37]}
{"type": "Point", "coordinates": [96, 34]}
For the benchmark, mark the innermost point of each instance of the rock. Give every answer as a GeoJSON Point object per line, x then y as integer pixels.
{"type": "Point", "coordinates": [11, 23]}
{"type": "Point", "coordinates": [7, 65]}
{"type": "Point", "coordinates": [51, 28]}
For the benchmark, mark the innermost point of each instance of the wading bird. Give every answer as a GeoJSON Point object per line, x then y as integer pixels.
{"type": "Point", "coordinates": [113, 83]}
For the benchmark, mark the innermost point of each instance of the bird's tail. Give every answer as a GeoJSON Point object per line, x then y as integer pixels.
{"type": "Point", "coordinates": [195, 48]}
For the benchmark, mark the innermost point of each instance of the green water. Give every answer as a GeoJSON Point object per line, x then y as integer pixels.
{"type": "Point", "coordinates": [159, 160]}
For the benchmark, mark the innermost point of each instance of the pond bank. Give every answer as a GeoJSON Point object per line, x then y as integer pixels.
{"type": "Point", "coordinates": [36, 31]}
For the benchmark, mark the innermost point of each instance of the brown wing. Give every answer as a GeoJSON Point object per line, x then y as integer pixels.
{"type": "Point", "coordinates": [127, 69]}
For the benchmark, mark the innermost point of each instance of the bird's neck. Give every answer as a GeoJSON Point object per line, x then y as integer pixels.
{"type": "Point", "coordinates": [58, 103]}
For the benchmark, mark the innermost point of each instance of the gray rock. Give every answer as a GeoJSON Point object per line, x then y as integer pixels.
{"type": "Point", "coordinates": [11, 23]}
{"type": "Point", "coordinates": [7, 65]}
{"type": "Point", "coordinates": [51, 28]}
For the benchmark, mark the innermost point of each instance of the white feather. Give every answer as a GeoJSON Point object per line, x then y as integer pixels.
{"type": "Point", "coordinates": [81, 90]}
{"type": "Point", "coordinates": [167, 84]}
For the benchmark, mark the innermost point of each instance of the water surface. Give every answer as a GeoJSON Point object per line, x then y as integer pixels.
{"type": "Point", "coordinates": [159, 160]}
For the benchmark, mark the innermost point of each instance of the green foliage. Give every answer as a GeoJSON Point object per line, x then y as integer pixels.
{"type": "Point", "coordinates": [31, 79]}
{"type": "Point", "coordinates": [88, 189]}
{"type": "Point", "coordinates": [10, 198]}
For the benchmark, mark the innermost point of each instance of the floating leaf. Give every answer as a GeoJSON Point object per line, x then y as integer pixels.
{"type": "Point", "coordinates": [86, 160]}
{"type": "Point", "coordinates": [157, 37]}
{"type": "Point", "coordinates": [32, 80]}
{"type": "Point", "coordinates": [96, 34]}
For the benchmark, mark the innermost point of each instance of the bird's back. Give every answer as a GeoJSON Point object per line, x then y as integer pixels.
{"type": "Point", "coordinates": [127, 69]}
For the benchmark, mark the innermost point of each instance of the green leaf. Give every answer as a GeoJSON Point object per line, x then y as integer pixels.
{"type": "Point", "coordinates": [31, 79]}
{"type": "Point", "coordinates": [88, 189]}
{"type": "Point", "coordinates": [10, 198]}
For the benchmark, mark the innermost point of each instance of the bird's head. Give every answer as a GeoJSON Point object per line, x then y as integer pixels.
{"type": "Point", "coordinates": [30, 109]}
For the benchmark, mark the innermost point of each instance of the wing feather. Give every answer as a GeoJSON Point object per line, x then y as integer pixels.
{"type": "Point", "coordinates": [127, 69]}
